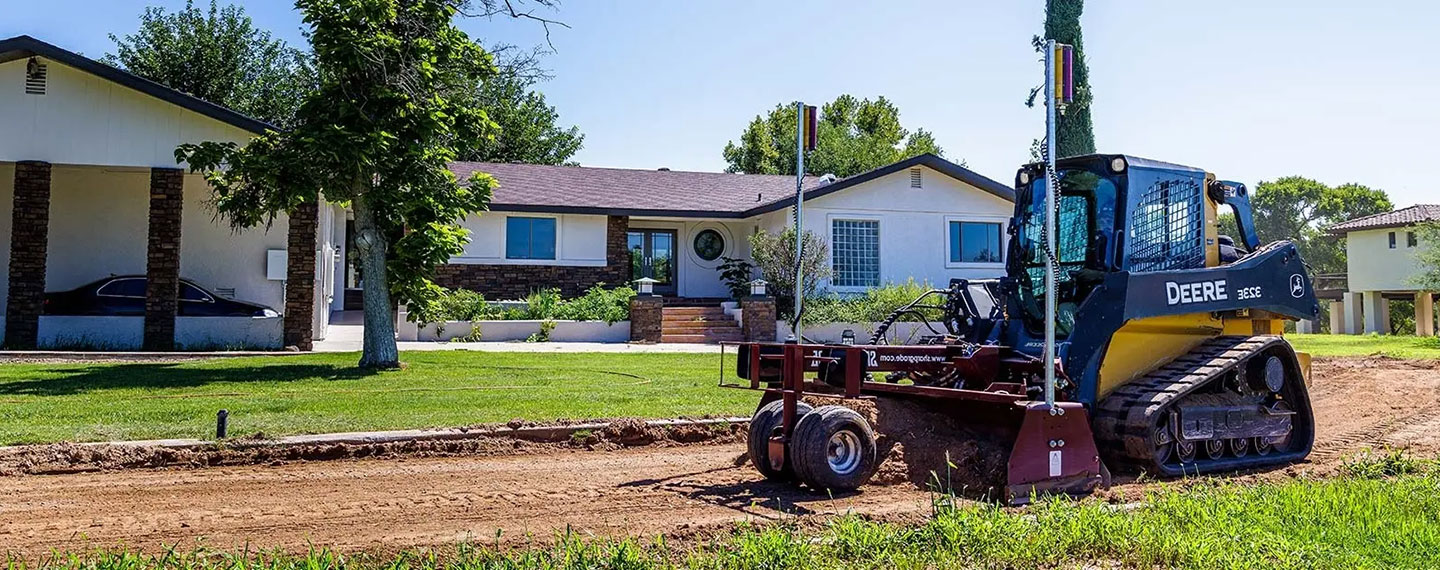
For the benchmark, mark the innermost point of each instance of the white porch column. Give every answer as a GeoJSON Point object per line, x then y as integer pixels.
{"type": "Point", "coordinates": [1337, 318]}
{"type": "Point", "coordinates": [1354, 313]}
{"type": "Point", "coordinates": [1377, 313]}
{"type": "Point", "coordinates": [1424, 314]}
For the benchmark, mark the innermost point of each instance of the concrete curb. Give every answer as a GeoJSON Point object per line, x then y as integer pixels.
{"type": "Point", "coordinates": [529, 433]}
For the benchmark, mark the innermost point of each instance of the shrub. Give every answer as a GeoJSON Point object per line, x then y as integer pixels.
{"type": "Point", "coordinates": [775, 256]}
{"type": "Point", "coordinates": [737, 274]}
{"type": "Point", "coordinates": [599, 304]}
{"type": "Point", "coordinates": [874, 305]}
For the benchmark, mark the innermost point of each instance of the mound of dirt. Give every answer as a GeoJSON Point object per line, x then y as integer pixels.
{"type": "Point", "coordinates": [926, 447]}
{"type": "Point", "coordinates": [73, 458]}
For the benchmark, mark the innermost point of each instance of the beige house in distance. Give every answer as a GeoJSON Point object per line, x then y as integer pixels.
{"type": "Point", "coordinates": [1381, 266]}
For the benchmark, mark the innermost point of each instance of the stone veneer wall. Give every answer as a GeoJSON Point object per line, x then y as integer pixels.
{"type": "Point", "coordinates": [757, 317]}
{"type": "Point", "coordinates": [498, 282]}
{"type": "Point", "coordinates": [647, 318]}
{"type": "Point", "coordinates": [300, 277]}
{"type": "Point", "coordinates": [162, 257]}
{"type": "Point", "coordinates": [29, 242]}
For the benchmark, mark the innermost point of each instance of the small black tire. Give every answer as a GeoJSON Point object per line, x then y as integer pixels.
{"type": "Point", "coordinates": [762, 424]}
{"type": "Point", "coordinates": [834, 449]}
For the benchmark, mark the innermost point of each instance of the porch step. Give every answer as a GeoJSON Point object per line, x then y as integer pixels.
{"type": "Point", "coordinates": [692, 324]}
{"type": "Point", "coordinates": [706, 338]}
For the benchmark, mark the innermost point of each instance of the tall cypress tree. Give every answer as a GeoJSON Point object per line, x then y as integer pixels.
{"type": "Point", "coordinates": [1074, 133]}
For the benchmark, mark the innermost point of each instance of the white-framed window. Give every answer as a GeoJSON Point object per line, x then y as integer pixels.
{"type": "Point", "coordinates": [975, 241]}
{"type": "Point", "coordinates": [855, 253]}
{"type": "Point", "coordinates": [530, 237]}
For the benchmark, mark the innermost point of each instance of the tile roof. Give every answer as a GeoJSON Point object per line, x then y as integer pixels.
{"type": "Point", "coordinates": [1398, 218]}
{"type": "Point", "coordinates": [619, 191]}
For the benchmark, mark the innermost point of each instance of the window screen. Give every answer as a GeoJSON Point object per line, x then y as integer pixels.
{"type": "Point", "coordinates": [529, 238]}
{"type": "Point", "coordinates": [975, 242]}
{"type": "Point", "coordinates": [855, 248]}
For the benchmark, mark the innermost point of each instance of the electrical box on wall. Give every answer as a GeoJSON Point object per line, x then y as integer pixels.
{"type": "Point", "coordinates": [276, 261]}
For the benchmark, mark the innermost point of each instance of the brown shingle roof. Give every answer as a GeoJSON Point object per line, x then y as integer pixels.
{"type": "Point", "coordinates": [1403, 217]}
{"type": "Point", "coordinates": [620, 191]}
{"type": "Point", "coordinates": [535, 186]}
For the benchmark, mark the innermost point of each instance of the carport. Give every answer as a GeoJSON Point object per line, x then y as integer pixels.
{"type": "Point", "coordinates": [89, 187]}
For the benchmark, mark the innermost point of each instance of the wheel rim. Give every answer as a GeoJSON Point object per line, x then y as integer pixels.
{"type": "Point", "coordinates": [1214, 448]}
{"type": "Point", "coordinates": [1163, 443]}
{"type": "Point", "coordinates": [843, 452]}
{"type": "Point", "coordinates": [1185, 450]}
{"type": "Point", "coordinates": [1263, 446]}
{"type": "Point", "coordinates": [1240, 446]}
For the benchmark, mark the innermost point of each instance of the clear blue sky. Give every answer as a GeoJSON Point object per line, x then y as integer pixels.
{"type": "Point", "coordinates": [1341, 91]}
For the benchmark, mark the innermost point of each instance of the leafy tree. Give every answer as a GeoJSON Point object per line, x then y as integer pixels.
{"type": "Point", "coordinates": [219, 56]}
{"type": "Point", "coordinates": [1299, 209]}
{"type": "Point", "coordinates": [855, 135]}
{"type": "Point", "coordinates": [528, 132]}
{"type": "Point", "coordinates": [376, 133]}
{"type": "Point", "coordinates": [775, 256]}
{"type": "Point", "coordinates": [1427, 257]}
{"type": "Point", "coordinates": [1074, 134]}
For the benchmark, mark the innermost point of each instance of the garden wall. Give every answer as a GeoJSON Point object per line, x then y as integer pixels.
{"type": "Point", "coordinates": [191, 333]}
{"type": "Point", "coordinates": [504, 331]}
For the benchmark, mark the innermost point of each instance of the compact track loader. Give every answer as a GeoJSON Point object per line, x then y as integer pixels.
{"type": "Point", "coordinates": [1169, 355]}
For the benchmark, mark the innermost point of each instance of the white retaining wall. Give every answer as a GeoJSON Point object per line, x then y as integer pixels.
{"type": "Point", "coordinates": [502, 331]}
{"type": "Point", "coordinates": [127, 333]}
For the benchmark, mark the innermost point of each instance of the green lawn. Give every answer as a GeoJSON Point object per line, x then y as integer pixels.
{"type": "Point", "coordinates": [319, 393]}
{"type": "Point", "coordinates": [1379, 521]}
{"type": "Point", "coordinates": [1365, 345]}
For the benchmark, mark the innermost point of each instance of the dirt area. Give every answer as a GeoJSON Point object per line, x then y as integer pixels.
{"type": "Point", "coordinates": [436, 497]}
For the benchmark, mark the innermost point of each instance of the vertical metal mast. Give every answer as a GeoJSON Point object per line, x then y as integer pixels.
{"type": "Point", "coordinates": [1050, 104]}
{"type": "Point", "coordinates": [799, 202]}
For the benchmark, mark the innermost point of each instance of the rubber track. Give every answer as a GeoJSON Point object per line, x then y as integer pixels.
{"type": "Point", "coordinates": [1126, 418]}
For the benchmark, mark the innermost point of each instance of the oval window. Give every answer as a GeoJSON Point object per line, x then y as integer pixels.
{"type": "Point", "coordinates": [709, 245]}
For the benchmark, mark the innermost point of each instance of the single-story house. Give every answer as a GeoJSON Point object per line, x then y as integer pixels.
{"type": "Point", "coordinates": [1380, 267]}
{"type": "Point", "coordinates": [90, 192]}
{"type": "Point", "coordinates": [89, 189]}
{"type": "Point", "coordinates": [924, 218]}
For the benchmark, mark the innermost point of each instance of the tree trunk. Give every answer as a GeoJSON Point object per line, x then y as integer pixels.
{"type": "Point", "coordinates": [379, 349]}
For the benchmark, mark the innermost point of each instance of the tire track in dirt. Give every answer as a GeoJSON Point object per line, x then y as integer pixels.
{"type": "Point", "coordinates": [401, 501]}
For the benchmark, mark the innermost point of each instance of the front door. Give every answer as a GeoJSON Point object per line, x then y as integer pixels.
{"type": "Point", "coordinates": [652, 254]}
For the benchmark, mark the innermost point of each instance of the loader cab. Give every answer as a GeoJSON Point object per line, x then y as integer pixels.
{"type": "Point", "coordinates": [1114, 213]}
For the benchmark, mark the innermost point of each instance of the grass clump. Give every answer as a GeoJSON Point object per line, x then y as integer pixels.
{"type": "Point", "coordinates": [1394, 346]}
{"type": "Point", "coordinates": [1351, 522]}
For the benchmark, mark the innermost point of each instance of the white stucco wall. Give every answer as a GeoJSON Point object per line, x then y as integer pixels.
{"type": "Point", "coordinates": [913, 222]}
{"type": "Point", "coordinates": [580, 240]}
{"type": "Point", "coordinates": [83, 119]}
{"type": "Point", "coordinates": [191, 333]}
{"type": "Point", "coordinates": [1373, 266]}
{"type": "Point", "coordinates": [696, 277]}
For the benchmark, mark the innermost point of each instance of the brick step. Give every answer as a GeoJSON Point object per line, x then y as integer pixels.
{"type": "Point", "coordinates": [700, 338]}
{"type": "Point", "coordinates": [692, 311]}
{"type": "Point", "coordinates": [697, 319]}
{"type": "Point", "coordinates": [699, 327]}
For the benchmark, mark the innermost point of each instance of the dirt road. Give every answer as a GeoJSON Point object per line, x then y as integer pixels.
{"type": "Point", "coordinates": [361, 504]}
